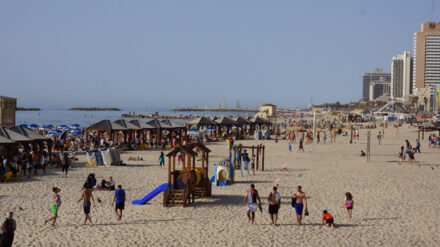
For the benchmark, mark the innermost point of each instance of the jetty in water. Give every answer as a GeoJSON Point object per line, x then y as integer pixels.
{"type": "Point", "coordinates": [94, 109]}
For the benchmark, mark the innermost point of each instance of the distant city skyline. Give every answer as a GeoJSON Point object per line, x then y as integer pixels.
{"type": "Point", "coordinates": [197, 53]}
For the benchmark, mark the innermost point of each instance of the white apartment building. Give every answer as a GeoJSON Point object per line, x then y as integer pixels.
{"type": "Point", "coordinates": [401, 76]}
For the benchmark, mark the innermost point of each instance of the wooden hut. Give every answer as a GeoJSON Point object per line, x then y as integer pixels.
{"type": "Point", "coordinates": [107, 126]}
{"type": "Point", "coordinates": [37, 138]}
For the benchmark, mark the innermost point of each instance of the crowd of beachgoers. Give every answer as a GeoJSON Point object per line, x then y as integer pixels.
{"type": "Point", "coordinates": [291, 131]}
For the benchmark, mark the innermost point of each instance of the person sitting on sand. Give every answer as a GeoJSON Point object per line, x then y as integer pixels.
{"type": "Point", "coordinates": [86, 196]}
{"type": "Point", "coordinates": [362, 153]}
{"type": "Point", "coordinates": [327, 219]}
{"type": "Point", "coordinates": [348, 204]}
{"type": "Point", "coordinates": [56, 203]}
{"type": "Point", "coordinates": [250, 200]}
{"type": "Point", "coordinates": [107, 185]}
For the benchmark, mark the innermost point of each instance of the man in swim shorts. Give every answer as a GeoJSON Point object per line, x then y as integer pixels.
{"type": "Point", "coordinates": [250, 200]}
{"type": "Point", "coordinates": [300, 198]}
{"type": "Point", "coordinates": [86, 196]}
{"type": "Point", "coordinates": [119, 198]}
{"type": "Point", "coordinates": [274, 199]}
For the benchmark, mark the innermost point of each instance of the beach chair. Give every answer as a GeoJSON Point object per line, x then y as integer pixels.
{"type": "Point", "coordinates": [8, 176]}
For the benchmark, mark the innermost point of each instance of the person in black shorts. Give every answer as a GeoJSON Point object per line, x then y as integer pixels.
{"type": "Point", "coordinates": [274, 199]}
{"type": "Point", "coordinates": [119, 198]}
{"type": "Point", "coordinates": [86, 197]}
{"type": "Point", "coordinates": [65, 165]}
{"type": "Point", "coordinates": [327, 219]}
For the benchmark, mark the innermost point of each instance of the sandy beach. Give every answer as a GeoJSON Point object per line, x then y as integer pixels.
{"type": "Point", "coordinates": [395, 205]}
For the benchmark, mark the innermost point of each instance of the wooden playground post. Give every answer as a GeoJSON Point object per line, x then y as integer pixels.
{"type": "Point", "coordinates": [174, 163]}
{"type": "Point", "coordinates": [258, 156]}
{"type": "Point", "coordinates": [169, 170]}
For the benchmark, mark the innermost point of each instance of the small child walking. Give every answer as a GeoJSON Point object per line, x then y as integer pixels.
{"type": "Point", "coordinates": [348, 204]}
{"type": "Point", "coordinates": [161, 159]}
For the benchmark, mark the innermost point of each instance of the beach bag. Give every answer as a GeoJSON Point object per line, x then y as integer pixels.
{"type": "Point", "coordinates": [293, 202]}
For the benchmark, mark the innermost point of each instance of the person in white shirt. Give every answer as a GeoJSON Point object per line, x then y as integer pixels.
{"type": "Point", "coordinates": [250, 200]}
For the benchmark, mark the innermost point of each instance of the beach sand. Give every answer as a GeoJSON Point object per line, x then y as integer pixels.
{"type": "Point", "coordinates": [395, 205]}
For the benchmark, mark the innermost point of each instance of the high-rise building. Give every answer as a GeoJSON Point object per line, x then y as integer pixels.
{"type": "Point", "coordinates": [426, 67]}
{"type": "Point", "coordinates": [376, 84]}
{"type": "Point", "coordinates": [401, 76]}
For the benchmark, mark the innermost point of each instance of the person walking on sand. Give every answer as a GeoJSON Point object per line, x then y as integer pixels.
{"type": "Point", "coordinates": [55, 206]}
{"type": "Point", "coordinates": [161, 159]}
{"type": "Point", "coordinates": [379, 138]}
{"type": "Point", "coordinates": [274, 199]}
{"type": "Point", "coordinates": [417, 149]}
{"type": "Point", "coordinates": [86, 196]}
{"type": "Point", "coordinates": [65, 165]}
{"type": "Point", "coordinates": [250, 201]}
{"type": "Point", "coordinates": [402, 154]}
{"type": "Point", "coordinates": [119, 198]}
{"type": "Point", "coordinates": [300, 203]}
{"type": "Point", "coordinates": [301, 147]}
{"type": "Point", "coordinates": [348, 204]}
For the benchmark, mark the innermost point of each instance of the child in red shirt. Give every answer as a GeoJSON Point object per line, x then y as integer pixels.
{"type": "Point", "coordinates": [327, 219]}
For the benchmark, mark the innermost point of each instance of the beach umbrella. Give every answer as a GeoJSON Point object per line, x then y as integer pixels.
{"type": "Point", "coordinates": [74, 126]}
{"type": "Point", "coordinates": [63, 126]}
{"type": "Point", "coordinates": [48, 126]}
{"type": "Point", "coordinates": [56, 131]}
{"type": "Point", "coordinates": [34, 125]}
{"type": "Point", "coordinates": [76, 133]}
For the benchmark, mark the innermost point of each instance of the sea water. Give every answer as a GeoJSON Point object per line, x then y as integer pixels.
{"type": "Point", "coordinates": [57, 117]}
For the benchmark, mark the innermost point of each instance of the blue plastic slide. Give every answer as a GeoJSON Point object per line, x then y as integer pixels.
{"type": "Point", "coordinates": [151, 195]}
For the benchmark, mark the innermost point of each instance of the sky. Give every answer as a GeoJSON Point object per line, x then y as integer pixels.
{"type": "Point", "coordinates": [165, 53]}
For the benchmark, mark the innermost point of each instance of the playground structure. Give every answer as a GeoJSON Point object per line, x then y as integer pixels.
{"type": "Point", "coordinates": [238, 150]}
{"type": "Point", "coordinates": [188, 182]}
{"type": "Point", "coordinates": [223, 173]}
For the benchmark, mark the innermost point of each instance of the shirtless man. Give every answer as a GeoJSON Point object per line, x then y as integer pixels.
{"type": "Point", "coordinates": [301, 201]}
{"type": "Point", "coordinates": [86, 196]}
{"type": "Point", "coordinates": [274, 199]}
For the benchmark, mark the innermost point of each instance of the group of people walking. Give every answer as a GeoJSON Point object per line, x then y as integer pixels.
{"type": "Point", "coordinates": [87, 199]}
{"type": "Point", "coordinates": [252, 201]}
